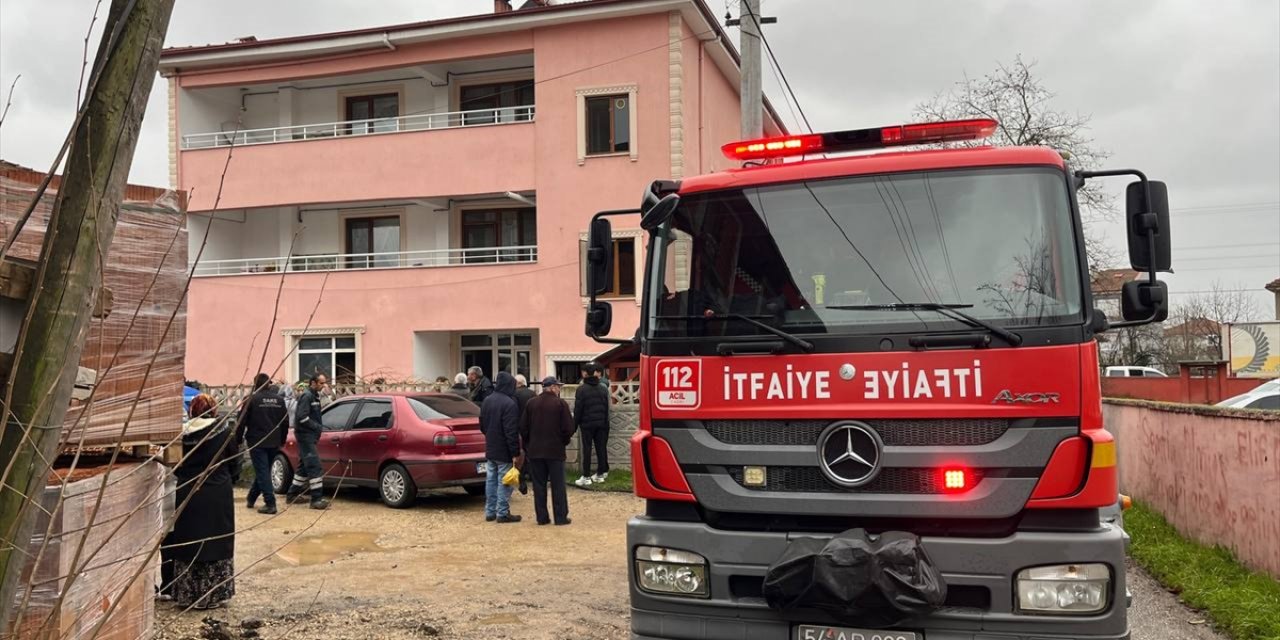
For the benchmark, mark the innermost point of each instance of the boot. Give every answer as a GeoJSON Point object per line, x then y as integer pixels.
{"type": "Point", "coordinates": [319, 504]}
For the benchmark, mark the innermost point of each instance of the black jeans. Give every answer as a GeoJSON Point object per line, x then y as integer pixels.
{"type": "Point", "coordinates": [544, 471]}
{"type": "Point", "coordinates": [599, 440]}
{"type": "Point", "coordinates": [262, 476]}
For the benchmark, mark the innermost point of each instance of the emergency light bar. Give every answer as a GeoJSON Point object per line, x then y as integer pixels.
{"type": "Point", "coordinates": [860, 139]}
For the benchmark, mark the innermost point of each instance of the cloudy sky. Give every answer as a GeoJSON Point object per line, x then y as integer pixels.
{"type": "Point", "coordinates": [1185, 90]}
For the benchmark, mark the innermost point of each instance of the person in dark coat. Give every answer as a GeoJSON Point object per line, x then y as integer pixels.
{"type": "Point", "coordinates": [479, 384]}
{"type": "Point", "coordinates": [200, 550]}
{"type": "Point", "coordinates": [262, 427]}
{"type": "Point", "coordinates": [310, 475]}
{"type": "Point", "coordinates": [500, 424]}
{"type": "Point", "coordinates": [546, 426]}
{"type": "Point", "coordinates": [591, 414]}
{"type": "Point", "coordinates": [460, 386]}
{"type": "Point", "coordinates": [523, 395]}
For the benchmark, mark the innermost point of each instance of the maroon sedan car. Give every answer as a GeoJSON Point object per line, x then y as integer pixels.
{"type": "Point", "coordinates": [398, 443]}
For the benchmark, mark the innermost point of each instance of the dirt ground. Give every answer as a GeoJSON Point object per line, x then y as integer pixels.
{"type": "Point", "coordinates": [361, 571]}
{"type": "Point", "coordinates": [438, 570]}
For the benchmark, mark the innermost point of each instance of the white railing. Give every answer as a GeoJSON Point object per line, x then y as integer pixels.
{"type": "Point", "coordinates": [412, 122]}
{"type": "Point", "coordinates": [364, 261]}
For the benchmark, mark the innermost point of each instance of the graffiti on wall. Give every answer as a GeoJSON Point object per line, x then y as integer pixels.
{"type": "Point", "coordinates": [1253, 348]}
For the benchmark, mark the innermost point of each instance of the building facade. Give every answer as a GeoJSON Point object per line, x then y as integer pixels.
{"type": "Point", "coordinates": [404, 202]}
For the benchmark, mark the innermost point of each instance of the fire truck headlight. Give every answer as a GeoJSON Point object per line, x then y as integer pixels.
{"type": "Point", "coordinates": [671, 572]}
{"type": "Point", "coordinates": [1064, 589]}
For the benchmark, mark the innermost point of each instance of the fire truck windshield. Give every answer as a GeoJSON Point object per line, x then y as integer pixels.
{"type": "Point", "coordinates": [817, 257]}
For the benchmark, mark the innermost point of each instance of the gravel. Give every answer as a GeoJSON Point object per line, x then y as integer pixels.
{"type": "Point", "coordinates": [361, 571]}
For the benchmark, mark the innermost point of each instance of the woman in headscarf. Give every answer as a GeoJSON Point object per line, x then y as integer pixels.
{"type": "Point", "coordinates": [202, 543]}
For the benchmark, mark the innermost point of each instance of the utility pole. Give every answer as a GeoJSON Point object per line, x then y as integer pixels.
{"type": "Point", "coordinates": [751, 95]}
{"type": "Point", "coordinates": [35, 400]}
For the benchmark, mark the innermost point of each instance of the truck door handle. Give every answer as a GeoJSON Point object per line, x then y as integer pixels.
{"type": "Point", "coordinates": [334, 440]}
{"type": "Point", "coordinates": [382, 438]}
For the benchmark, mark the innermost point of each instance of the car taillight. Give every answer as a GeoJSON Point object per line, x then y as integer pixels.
{"type": "Point", "coordinates": [446, 440]}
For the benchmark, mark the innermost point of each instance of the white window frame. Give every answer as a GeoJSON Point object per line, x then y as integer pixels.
{"type": "Point", "coordinates": [494, 347]}
{"type": "Point", "coordinates": [582, 93]}
{"type": "Point", "coordinates": [618, 234]}
{"type": "Point", "coordinates": [293, 337]}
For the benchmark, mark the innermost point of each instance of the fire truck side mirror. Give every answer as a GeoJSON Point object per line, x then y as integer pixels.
{"type": "Point", "coordinates": [1143, 302]}
{"type": "Point", "coordinates": [1148, 226]}
{"type": "Point", "coordinates": [660, 212]}
{"type": "Point", "coordinates": [599, 318]}
{"type": "Point", "coordinates": [599, 257]}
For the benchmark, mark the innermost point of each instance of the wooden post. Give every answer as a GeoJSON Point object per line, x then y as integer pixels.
{"type": "Point", "coordinates": [66, 286]}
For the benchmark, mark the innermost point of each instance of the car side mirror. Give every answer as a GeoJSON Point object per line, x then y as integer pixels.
{"type": "Point", "coordinates": [599, 256]}
{"type": "Point", "coordinates": [599, 318]}
{"type": "Point", "coordinates": [1148, 226]}
{"type": "Point", "coordinates": [1144, 301]}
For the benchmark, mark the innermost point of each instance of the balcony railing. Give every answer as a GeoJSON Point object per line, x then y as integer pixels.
{"type": "Point", "coordinates": [365, 261]}
{"type": "Point", "coordinates": [413, 122]}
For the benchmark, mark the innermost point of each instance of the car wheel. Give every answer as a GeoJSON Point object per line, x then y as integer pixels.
{"type": "Point", "coordinates": [396, 487]}
{"type": "Point", "coordinates": [474, 489]}
{"type": "Point", "coordinates": [281, 475]}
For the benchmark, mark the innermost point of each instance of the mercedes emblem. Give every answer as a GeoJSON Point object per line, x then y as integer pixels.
{"type": "Point", "coordinates": [849, 454]}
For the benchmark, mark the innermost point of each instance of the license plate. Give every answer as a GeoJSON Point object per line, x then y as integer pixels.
{"type": "Point", "coordinates": [482, 468]}
{"type": "Point", "coordinates": [818, 632]}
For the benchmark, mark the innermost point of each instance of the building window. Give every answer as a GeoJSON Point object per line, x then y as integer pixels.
{"type": "Point", "coordinates": [624, 269]}
{"type": "Point", "coordinates": [372, 114]}
{"type": "Point", "coordinates": [511, 235]}
{"type": "Point", "coordinates": [334, 356]}
{"type": "Point", "coordinates": [513, 102]}
{"type": "Point", "coordinates": [569, 372]}
{"type": "Point", "coordinates": [494, 352]}
{"type": "Point", "coordinates": [374, 242]}
{"type": "Point", "coordinates": [608, 124]}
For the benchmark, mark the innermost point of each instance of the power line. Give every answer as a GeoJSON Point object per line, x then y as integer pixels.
{"type": "Point", "coordinates": [774, 60]}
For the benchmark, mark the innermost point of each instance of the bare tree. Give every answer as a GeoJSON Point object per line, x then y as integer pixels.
{"type": "Point", "coordinates": [1193, 330]}
{"type": "Point", "coordinates": [1013, 96]}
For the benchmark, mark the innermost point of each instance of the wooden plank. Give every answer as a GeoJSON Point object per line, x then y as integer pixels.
{"type": "Point", "coordinates": [18, 276]}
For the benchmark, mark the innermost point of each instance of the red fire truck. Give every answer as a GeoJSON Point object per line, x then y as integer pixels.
{"type": "Point", "coordinates": [871, 404]}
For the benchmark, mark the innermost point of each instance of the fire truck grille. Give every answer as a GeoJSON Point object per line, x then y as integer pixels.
{"type": "Point", "coordinates": [901, 480]}
{"type": "Point", "coordinates": [894, 433]}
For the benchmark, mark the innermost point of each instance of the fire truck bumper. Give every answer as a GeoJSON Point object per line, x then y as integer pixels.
{"type": "Point", "coordinates": [979, 573]}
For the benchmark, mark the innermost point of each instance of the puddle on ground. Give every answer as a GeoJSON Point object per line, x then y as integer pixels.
{"type": "Point", "coordinates": [501, 618]}
{"type": "Point", "coordinates": [318, 549]}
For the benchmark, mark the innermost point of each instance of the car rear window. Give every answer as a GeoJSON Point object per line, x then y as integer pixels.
{"type": "Point", "coordinates": [443, 407]}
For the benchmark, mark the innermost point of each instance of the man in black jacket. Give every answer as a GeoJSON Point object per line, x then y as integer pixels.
{"type": "Point", "coordinates": [591, 414]}
{"type": "Point", "coordinates": [263, 423]}
{"type": "Point", "coordinates": [309, 426]}
{"type": "Point", "coordinates": [500, 424]}
{"type": "Point", "coordinates": [545, 428]}
{"type": "Point", "coordinates": [479, 384]}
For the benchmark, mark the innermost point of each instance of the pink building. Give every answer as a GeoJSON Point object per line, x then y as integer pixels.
{"type": "Point", "coordinates": [418, 195]}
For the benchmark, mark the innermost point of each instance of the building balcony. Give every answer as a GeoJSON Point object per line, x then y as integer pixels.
{"type": "Point", "coordinates": [349, 168]}
{"type": "Point", "coordinates": [366, 127]}
{"type": "Point", "coordinates": [366, 261]}
{"type": "Point", "coordinates": [437, 127]}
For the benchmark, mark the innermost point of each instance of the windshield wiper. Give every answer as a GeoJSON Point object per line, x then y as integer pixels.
{"type": "Point", "coordinates": [950, 310]}
{"type": "Point", "coordinates": [795, 340]}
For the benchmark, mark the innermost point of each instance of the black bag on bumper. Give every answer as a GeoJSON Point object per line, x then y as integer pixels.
{"type": "Point", "coordinates": [857, 580]}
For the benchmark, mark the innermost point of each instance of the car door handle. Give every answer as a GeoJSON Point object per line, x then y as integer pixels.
{"type": "Point", "coordinates": [382, 438]}
{"type": "Point", "coordinates": [335, 440]}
